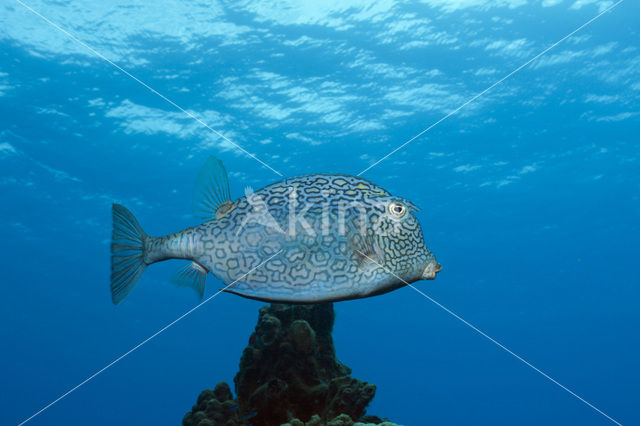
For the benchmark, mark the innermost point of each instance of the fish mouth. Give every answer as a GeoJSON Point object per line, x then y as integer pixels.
{"type": "Point", "coordinates": [431, 270]}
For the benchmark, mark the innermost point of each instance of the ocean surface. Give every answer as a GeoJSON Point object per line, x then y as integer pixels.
{"type": "Point", "coordinates": [529, 196]}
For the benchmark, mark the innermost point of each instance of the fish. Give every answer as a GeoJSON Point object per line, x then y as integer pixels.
{"type": "Point", "coordinates": [306, 239]}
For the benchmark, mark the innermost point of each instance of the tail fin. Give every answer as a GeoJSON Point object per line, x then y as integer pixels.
{"type": "Point", "coordinates": [127, 253]}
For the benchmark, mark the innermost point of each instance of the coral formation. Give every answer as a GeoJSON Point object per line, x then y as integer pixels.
{"type": "Point", "coordinates": [289, 374]}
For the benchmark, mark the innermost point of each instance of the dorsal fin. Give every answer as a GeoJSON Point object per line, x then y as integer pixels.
{"type": "Point", "coordinates": [211, 189]}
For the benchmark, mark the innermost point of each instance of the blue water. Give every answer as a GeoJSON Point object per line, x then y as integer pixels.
{"type": "Point", "coordinates": [529, 197]}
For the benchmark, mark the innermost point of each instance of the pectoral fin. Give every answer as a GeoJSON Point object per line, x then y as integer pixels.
{"type": "Point", "coordinates": [366, 252]}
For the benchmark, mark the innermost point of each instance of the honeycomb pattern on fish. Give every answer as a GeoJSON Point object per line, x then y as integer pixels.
{"type": "Point", "coordinates": [305, 239]}
{"type": "Point", "coordinates": [319, 261]}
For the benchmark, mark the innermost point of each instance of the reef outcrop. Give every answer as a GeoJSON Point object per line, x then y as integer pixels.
{"type": "Point", "coordinates": [289, 375]}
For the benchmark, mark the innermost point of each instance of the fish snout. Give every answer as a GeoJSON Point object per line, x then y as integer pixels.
{"type": "Point", "coordinates": [431, 270]}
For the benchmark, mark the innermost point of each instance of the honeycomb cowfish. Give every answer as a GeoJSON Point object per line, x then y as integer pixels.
{"type": "Point", "coordinates": [306, 239]}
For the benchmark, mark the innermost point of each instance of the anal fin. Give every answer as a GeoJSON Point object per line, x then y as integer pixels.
{"type": "Point", "coordinates": [192, 275]}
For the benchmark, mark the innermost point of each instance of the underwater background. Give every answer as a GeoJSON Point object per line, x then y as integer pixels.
{"type": "Point", "coordinates": [529, 196]}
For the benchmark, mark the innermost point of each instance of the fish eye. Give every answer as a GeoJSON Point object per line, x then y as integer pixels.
{"type": "Point", "coordinates": [397, 210]}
